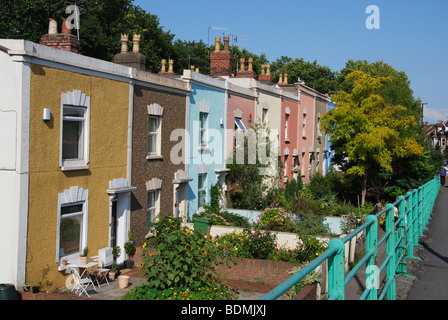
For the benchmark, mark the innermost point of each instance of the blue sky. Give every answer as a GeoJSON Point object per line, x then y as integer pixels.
{"type": "Point", "coordinates": [413, 35]}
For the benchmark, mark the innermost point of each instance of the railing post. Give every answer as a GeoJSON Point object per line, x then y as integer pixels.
{"type": "Point", "coordinates": [426, 208]}
{"type": "Point", "coordinates": [372, 246]}
{"type": "Point", "coordinates": [336, 271]}
{"type": "Point", "coordinates": [390, 251]}
{"type": "Point", "coordinates": [401, 236]}
{"type": "Point", "coordinates": [412, 207]}
{"type": "Point", "coordinates": [419, 211]}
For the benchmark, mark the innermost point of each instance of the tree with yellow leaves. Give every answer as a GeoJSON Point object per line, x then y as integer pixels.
{"type": "Point", "coordinates": [364, 129]}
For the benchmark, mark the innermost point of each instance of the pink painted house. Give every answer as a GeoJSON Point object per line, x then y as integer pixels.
{"type": "Point", "coordinates": [289, 141]}
{"type": "Point", "coordinates": [240, 113]}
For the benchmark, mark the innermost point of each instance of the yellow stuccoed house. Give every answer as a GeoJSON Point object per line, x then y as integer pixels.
{"type": "Point", "coordinates": [64, 172]}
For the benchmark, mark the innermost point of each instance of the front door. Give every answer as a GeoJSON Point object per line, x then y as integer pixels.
{"type": "Point", "coordinates": [114, 224]}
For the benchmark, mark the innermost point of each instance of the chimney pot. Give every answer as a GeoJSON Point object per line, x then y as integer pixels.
{"type": "Point", "coordinates": [280, 79]}
{"type": "Point", "coordinates": [171, 63]}
{"type": "Point", "coordinates": [124, 43]}
{"type": "Point", "coordinates": [285, 80]}
{"type": "Point", "coordinates": [262, 69]}
{"type": "Point", "coordinates": [163, 65]}
{"type": "Point", "coordinates": [217, 44]}
{"type": "Point", "coordinates": [268, 70]}
{"type": "Point", "coordinates": [226, 43]}
{"type": "Point", "coordinates": [65, 28]}
{"type": "Point", "coordinates": [242, 62]}
{"type": "Point", "coordinates": [52, 26]}
{"type": "Point", "coordinates": [250, 67]}
{"type": "Point", "coordinates": [136, 43]}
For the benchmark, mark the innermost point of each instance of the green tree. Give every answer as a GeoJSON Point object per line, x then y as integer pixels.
{"type": "Point", "coordinates": [365, 130]}
{"type": "Point", "coordinates": [320, 78]}
{"type": "Point", "coordinates": [101, 24]}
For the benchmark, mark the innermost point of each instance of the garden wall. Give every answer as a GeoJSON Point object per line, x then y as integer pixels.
{"type": "Point", "coordinates": [270, 272]}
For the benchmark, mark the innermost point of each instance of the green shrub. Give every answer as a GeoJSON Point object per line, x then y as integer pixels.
{"type": "Point", "coordinates": [277, 219]}
{"type": "Point", "coordinates": [310, 249]}
{"type": "Point", "coordinates": [310, 279]}
{"type": "Point", "coordinates": [184, 259]}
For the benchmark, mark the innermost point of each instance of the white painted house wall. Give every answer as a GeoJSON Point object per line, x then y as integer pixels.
{"type": "Point", "coordinates": [14, 174]}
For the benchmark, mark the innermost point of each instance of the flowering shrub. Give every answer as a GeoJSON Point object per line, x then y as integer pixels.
{"type": "Point", "coordinates": [183, 260]}
{"type": "Point", "coordinates": [276, 219]}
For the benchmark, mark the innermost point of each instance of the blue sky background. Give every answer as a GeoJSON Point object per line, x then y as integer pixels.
{"type": "Point", "coordinates": [413, 35]}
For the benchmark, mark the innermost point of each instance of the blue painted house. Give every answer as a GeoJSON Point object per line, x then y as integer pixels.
{"type": "Point", "coordinates": [206, 123]}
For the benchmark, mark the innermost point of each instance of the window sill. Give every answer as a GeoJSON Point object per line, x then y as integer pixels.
{"type": "Point", "coordinates": [154, 157]}
{"type": "Point", "coordinates": [74, 167]}
{"type": "Point", "coordinates": [287, 141]}
{"type": "Point", "coordinates": [203, 148]}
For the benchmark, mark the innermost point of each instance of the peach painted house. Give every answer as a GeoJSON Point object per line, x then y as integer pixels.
{"type": "Point", "coordinates": [240, 113]}
{"type": "Point", "coordinates": [306, 131]}
{"type": "Point", "coordinates": [289, 142]}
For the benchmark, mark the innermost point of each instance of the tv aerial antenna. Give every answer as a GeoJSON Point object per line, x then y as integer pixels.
{"type": "Point", "coordinates": [213, 28]}
{"type": "Point", "coordinates": [74, 10]}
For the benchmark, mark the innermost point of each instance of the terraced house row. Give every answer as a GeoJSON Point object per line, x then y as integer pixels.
{"type": "Point", "coordinates": [92, 149]}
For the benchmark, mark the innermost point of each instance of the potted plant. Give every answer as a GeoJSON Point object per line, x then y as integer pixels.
{"type": "Point", "coordinates": [129, 247]}
{"type": "Point", "coordinates": [113, 271]}
{"type": "Point", "coordinates": [116, 252]}
{"type": "Point", "coordinates": [83, 257]}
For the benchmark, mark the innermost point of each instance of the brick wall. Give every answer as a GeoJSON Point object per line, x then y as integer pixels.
{"type": "Point", "coordinates": [271, 272]}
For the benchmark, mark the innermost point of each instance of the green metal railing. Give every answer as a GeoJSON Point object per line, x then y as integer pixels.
{"type": "Point", "coordinates": [400, 238]}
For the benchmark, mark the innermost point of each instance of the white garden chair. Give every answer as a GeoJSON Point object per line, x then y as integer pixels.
{"type": "Point", "coordinates": [81, 284]}
{"type": "Point", "coordinates": [100, 273]}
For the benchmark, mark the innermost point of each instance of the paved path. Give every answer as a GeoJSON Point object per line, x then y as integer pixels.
{"type": "Point", "coordinates": [431, 273]}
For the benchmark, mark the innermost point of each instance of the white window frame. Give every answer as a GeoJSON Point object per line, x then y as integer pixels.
{"type": "Point", "coordinates": [203, 126]}
{"type": "Point", "coordinates": [155, 111]}
{"type": "Point", "coordinates": [286, 127]}
{"type": "Point", "coordinates": [81, 102]}
{"type": "Point", "coordinates": [157, 134]}
{"type": "Point", "coordinates": [73, 196]}
{"type": "Point", "coordinates": [202, 189]}
{"type": "Point", "coordinates": [155, 209]}
{"type": "Point", "coordinates": [264, 116]}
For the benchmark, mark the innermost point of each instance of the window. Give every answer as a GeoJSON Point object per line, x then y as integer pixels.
{"type": "Point", "coordinates": [201, 190]}
{"type": "Point", "coordinates": [285, 173]}
{"type": "Point", "coordinates": [70, 229]}
{"type": "Point", "coordinates": [239, 125]}
{"type": "Point", "coordinates": [74, 131]}
{"type": "Point", "coordinates": [153, 135]}
{"type": "Point", "coordinates": [319, 134]}
{"type": "Point", "coordinates": [286, 126]}
{"type": "Point", "coordinates": [155, 114]}
{"type": "Point", "coordinates": [264, 116]}
{"type": "Point", "coordinates": [72, 223]}
{"type": "Point", "coordinates": [203, 129]}
{"type": "Point", "coordinates": [151, 211]}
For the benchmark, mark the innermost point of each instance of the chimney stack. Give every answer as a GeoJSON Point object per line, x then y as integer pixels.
{"type": "Point", "coordinates": [249, 73]}
{"type": "Point", "coordinates": [133, 59]}
{"type": "Point", "coordinates": [170, 71]}
{"type": "Point", "coordinates": [221, 61]}
{"type": "Point", "coordinates": [63, 41]}
{"type": "Point", "coordinates": [265, 77]}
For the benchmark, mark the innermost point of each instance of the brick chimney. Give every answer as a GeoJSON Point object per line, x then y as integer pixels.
{"type": "Point", "coordinates": [133, 59]}
{"type": "Point", "coordinates": [243, 73]}
{"type": "Point", "coordinates": [63, 41]}
{"type": "Point", "coordinates": [221, 61]}
{"type": "Point", "coordinates": [265, 77]}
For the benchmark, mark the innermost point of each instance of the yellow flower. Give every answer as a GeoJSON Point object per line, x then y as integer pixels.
{"type": "Point", "coordinates": [141, 265]}
{"type": "Point", "coordinates": [203, 251]}
{"type": "Point", "coordinates": [151, 255]}
{"type": "Point", "coordinates": [144, 245]}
